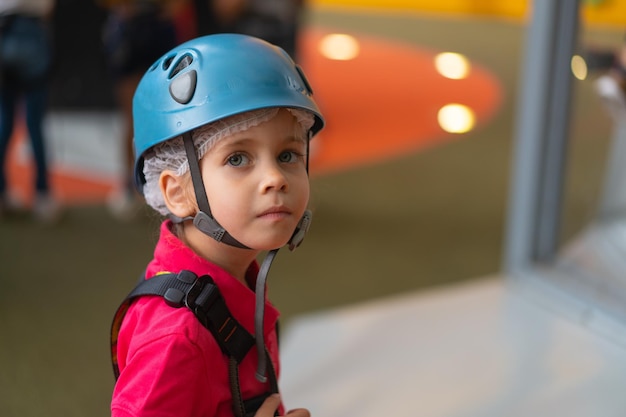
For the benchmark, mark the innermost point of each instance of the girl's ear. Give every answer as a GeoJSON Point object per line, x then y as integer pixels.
{"type": "Point", "coordinates": [176, 194]}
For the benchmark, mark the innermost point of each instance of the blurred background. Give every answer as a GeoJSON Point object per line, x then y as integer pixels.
{"type": "Point", "coordinates": [424, 208]}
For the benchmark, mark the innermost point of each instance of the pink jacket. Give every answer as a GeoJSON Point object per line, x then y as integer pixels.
{"type": "Point", "coordinates": [170, 365]}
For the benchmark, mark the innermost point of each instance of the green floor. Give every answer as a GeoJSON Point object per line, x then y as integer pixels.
{"type": "Point", "coordinates": [427, 219]}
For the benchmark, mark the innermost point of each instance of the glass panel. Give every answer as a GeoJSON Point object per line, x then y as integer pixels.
{"type": "Point", "coordinates": [594, 234]}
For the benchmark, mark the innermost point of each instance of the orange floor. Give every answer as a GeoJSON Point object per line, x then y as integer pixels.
{"type": "Point", "coordinates": [381, 104]}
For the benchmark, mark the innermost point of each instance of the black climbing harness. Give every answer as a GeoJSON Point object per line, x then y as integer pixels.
{"type": "Point", "coordinates": [203, 298]}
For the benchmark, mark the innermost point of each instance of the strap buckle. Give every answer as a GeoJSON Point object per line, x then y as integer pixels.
{"type": "Point", "coordinates": [202, 295]}
{"type": "Point", "coordinates": [193, 292]}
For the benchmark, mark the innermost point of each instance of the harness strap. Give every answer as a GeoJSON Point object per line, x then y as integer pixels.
{"type": "Point", "coordinates": [202, 296]}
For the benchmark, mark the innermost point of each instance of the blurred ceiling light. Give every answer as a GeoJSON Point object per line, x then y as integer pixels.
{"type": "Point", "coordinates": [452, 65]}
{"type": "Point", "coordinates": [579, 67]}
{"type": "Point", "coordinates": [456, 118]}
{"type": "Point", "coordinates": [339, 47]}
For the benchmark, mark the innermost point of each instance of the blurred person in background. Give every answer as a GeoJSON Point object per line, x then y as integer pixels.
{"type": "Point", "coordinates": [276, 21]}
{"type": "Point", "coordinates": [618, 67]}
{"type": "Point", "coordinates": [25, 64]}
{"type": "Point", "coordinates": [135, 34]}
{"type": "Point", "coordinates": [611, 84]}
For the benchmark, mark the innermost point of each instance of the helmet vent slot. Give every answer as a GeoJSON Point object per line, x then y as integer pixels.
{"type": "Point", "coordinates": [183, 63]}
{"type": "Point", "coordinates": [167, 62]}
{"type": "Point", "coordinates": [304, 80]}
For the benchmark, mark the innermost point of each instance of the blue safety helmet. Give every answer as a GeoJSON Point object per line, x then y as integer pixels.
{"type": "Point", "coordinates": [210, 78]}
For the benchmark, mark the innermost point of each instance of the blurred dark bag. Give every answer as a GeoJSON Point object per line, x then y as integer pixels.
{"type": "Point", "coordinates": [25, 53]}
{"type": "Point", "coordinates": [133, 43]}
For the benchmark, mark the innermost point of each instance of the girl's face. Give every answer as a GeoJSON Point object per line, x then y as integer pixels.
{"type": "Point", "coordinates": [256, 182]}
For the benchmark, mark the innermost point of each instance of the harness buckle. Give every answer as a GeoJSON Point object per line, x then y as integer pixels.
{"type": "Point", "coordinates": [175, 297]}
{"type": "Point", "coordinates": [202, 294]}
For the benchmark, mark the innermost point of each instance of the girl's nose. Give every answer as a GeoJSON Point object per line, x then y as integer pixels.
{"type": "Point", "coordinates": [274, 179]}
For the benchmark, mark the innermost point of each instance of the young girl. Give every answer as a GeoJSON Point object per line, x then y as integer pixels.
{"type": "Point", "coordinates": [222, 126]}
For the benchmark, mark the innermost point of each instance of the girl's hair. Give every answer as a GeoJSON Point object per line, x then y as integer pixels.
{"type": "Point", "coordinates": [170, 155]}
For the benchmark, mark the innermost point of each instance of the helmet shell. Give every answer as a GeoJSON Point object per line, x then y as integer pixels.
{"type": "Point", "coordinates": [210, 78]}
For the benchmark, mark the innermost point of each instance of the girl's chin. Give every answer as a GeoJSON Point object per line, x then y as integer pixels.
{"type": "Point", "coordinates": [271, 247]}
{"type": "Point", "coordinates": [266, 245]}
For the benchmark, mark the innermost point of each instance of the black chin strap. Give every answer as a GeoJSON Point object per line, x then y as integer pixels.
{"type": "Point", "coordinates": [204, 220]}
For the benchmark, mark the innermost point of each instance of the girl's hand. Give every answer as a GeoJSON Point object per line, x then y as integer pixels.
{"type": "Point", "coordinates": [271, 404]}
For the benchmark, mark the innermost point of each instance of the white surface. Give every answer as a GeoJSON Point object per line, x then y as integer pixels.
{"type": "Point", "coordinates": [478, 349]}
{"type": "Point", "coordinates": [612, 96]}
{"type": "Point", "coordinates": [88, 144]}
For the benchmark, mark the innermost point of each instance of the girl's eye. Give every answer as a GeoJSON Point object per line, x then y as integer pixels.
{"type": "Point", "coordinates": [288, 156]}
{"type": "Point", "coordinates": [237, 160]}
